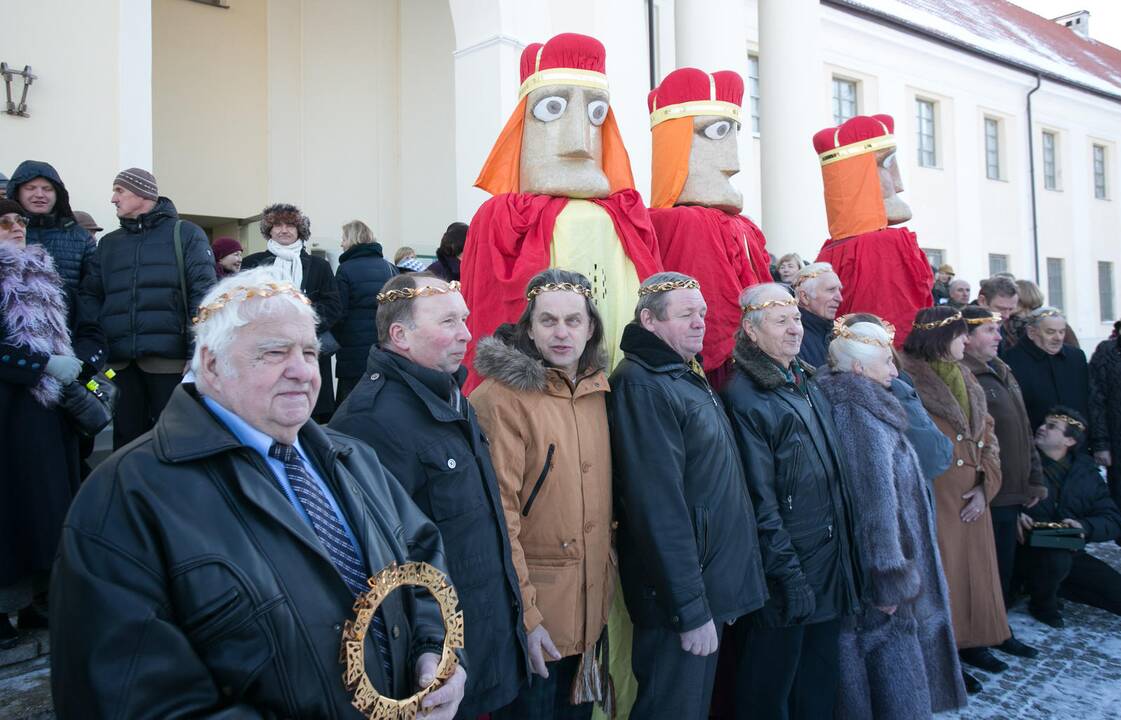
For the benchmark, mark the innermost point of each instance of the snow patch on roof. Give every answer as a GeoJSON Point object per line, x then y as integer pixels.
{"type": "Point", "coordinates": [1009, 31]}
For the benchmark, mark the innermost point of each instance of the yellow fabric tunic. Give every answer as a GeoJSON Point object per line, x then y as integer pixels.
{"type": "Point", "coordinates": [584, 240]}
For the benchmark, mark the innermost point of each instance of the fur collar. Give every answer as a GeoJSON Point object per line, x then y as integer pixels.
{"type": "Point", "coordinates": [496, 358]}
{"type": "Point", "coordinates": [940, 402]}
{"type": "Point", "coordinates": [846, 388]}
{"type": "Point", "coordinates": [758, 366]}
{"type": "Point", "coordinates": [33, 310]}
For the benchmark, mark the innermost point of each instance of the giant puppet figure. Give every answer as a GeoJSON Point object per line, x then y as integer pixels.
{"type": "Point", "coordinates": [694, 119]}
{"type": "Point", "coordinates": [882, 268]}
{"type": "Point", "coordinates": [563, 196]}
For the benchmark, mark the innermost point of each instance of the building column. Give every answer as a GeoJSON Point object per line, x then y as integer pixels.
{"type": "Point", "coordinates": [711, 35]}
{"type": "Point", "coordinates": [134, 70]}
{"type": "Point", "coordinates": [793, 105]}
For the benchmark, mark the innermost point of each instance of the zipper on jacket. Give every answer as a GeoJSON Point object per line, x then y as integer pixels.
{"type": "Point", "coordinates": [540, 480]}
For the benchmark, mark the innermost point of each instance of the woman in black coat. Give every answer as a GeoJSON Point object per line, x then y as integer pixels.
{"type": "Point", "coordinates": [1105, 408]}
{"type": "Point", "coordinates": [450, 251]}
{"type": "Point", "coordinates": [287, 230]}
{"type": "Point", "coordinates": [39, 464]}
{"type": "Point", "coordinates": [362, 272]}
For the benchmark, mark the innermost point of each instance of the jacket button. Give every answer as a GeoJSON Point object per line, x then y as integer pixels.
{"type": "Point", "coordinates": [959, 437]}
{"type": "Point", "coordinates": [338, 627]}
{"type": "Point", "coordinates": [960, 463]}
{"type": "Point", "coordinates": [396, 631]}
{"type": "Point", "coordinates": [675, 620]}
{"type": "Point", "coordinates": [980, 443]}
{"type": "Point", "coordinates": [451, 463]}
{"type": "Point", "coordinates": [375, 376]}
{"type": "Point", "coordinates": [585, 466]}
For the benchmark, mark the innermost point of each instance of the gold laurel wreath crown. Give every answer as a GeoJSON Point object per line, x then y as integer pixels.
{"type": "Point", "coordinates": [993, 318]}
{"type": "Point", "coordinates": [1050, 313]}
{"type": "Point", "coordinates": [667, 286]}
{"type": "Point", "coordinates": [559, 287]}
{"type": "Point", "coordinates": [768, 304]}
{"type": "Point", "coordinates": [414, 293]}
{"type": "Point", "coordinates": [244, 293]}
{"type": "Point", "coordinates": [1069, 421]}
{"type": "Point", "coordinates": [810, 276]}
{"type": "Point", "coordinates": [937, 323]}
{"type": "Point", "coordinates": [841, 330]}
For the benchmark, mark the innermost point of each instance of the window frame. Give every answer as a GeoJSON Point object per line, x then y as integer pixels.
{"type": "Point", "coordinates": [1106, 292]}
{"type": "Point", "coordinates": [992, 153]}
{"type": "Point", "coordinates": [1056, 296]}
{"type": "Point", "coordinates": [999, 262]}
{"type": "Point", "coordinates": [1050, 179]}
{"type": "Point", "coordinates": [926, 157]}
{"type": "Point", "coordinates": [753, 90]}
{"type": "Point", "coordinates": [1100, 178]}
{"type": "Point", "coordinates": [837, 102]}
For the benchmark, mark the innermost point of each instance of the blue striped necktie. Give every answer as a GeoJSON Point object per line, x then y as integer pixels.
{"type": "Point", "coordinates": [334, 539]}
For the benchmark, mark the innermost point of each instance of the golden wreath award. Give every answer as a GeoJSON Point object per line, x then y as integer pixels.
{"type": "Point", "coordinates": [369, 701]}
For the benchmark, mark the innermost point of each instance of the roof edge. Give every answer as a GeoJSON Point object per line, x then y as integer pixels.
{"type": "Point", "coordinates": [898, 23]}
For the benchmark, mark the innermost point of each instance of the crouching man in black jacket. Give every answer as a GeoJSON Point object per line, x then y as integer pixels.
{"type": "Point", "coordinates": [688, 549]}
{"type": "Point", "coordinates": [789, 666]}
{"type": "Point", "coordinates": [1077, 497]}
{"type": "Point", "coordinates": [207, 569]}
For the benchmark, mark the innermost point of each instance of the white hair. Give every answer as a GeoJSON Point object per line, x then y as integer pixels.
{"type": "Point", "coordinates": [241, 301]}
{"type": "Point", "coordinates": [843, 351]}
{"type": "Point", "coordinates": [1042, 313]}
{"type": "Point", "coordinates": [754, 296]}
{"type": "Point", "coordinates": [812, 274]}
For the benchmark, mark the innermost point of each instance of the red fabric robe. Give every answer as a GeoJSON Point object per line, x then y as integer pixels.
{"type": "Point", "coordinates": [884, 272]}
{"type": "Point", "coordinates": [510, 240]}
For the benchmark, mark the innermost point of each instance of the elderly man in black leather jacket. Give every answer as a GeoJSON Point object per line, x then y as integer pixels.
{"type": "Point", "coordinates": [784, 428]}
{"type": "Point", "coordinates": [688, 550]}
{"type": "Point", "coordinates": [206, 570]}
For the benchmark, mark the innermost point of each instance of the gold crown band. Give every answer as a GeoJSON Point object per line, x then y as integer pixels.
{"type": "Point", "coordinates": [414, 293]}
{"type": "Point", "coordinates": [845, 333]}
{"type": "Point", "coordinates": [860, 147]}
{"type": "Point", "coordinates": [667, 286]}
{"type": "Point", "coordinates": [937, 323]}
{"type": "Point", "coordinates": [563, 76]}
{"type": "Point", "coordinates": [842, 323]}
{"type": "Point", "coordinates": [559, 287]}
{"type": "Point", "coordinates": [1051, 313]}
{"type": "Point", "coordinates": [768, 304]}
{"type": "Point", "coordinates": [245, 293]}
{"type": "Point", "coordinates": [992, 318]}
{"type": "Point", "coordinates": [1069, 421]}
{"type": "Point", "coordinates": [811, 275]}
{"type": "Point", "coordinates": [693, 108]}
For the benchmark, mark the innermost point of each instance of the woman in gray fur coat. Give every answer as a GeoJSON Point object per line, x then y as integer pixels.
{"type": "Point", "coordinates": [898, 658]}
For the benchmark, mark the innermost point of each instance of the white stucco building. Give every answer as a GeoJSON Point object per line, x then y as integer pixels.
{"type": "Point", "coordinates": [384, 110]}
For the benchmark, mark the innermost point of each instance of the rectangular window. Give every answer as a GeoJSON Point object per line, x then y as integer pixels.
{"type": "Point", "coordinates": [844, 100]}
{"type": "Point", "coordinates": [1099, 172]}
{"type": "Point", "coordinates": [924, 110]}
{"type": "Point", "coordinates": [1055, 282]}
{"type": "Point", "coordinates": [992, 149]}
{"type": "Point", "coordinates": [1050, 174]}
{"type": "Point", "coordinates": [935, 257]}
{"type": "Point", "coordinates": [997, 264]}
{"type": "Point", "coordinates": [753, 90]}
{"type": "Point", "coordinates": [1105, 291]}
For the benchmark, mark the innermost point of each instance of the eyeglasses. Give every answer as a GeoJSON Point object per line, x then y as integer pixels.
{"type": "Point", "coordinates": [8, 224]}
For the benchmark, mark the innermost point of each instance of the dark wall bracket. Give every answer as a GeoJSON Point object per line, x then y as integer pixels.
{"type": "Point", "coordinates": [9, 75]}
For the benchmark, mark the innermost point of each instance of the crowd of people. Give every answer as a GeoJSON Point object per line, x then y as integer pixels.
{"type": "Point", "coordinates": [849, 521]}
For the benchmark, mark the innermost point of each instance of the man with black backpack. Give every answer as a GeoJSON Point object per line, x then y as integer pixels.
{"type": "Point", "coordinates": [153, 272]}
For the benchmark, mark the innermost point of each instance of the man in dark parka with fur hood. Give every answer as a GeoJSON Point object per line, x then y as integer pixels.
{"type": "Point", "coordinates": [782, 424]}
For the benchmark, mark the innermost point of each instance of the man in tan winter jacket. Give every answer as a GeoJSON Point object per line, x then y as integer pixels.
{"type": "Point", "coordinates": [542, 405]}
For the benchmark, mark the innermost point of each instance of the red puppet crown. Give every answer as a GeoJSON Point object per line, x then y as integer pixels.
{"type": "Point", "coordinates": [689, 92]}
{"type": "Point", "coordinates": [856, 136]}
{"type": "Point", "coordinates": [566, 59]}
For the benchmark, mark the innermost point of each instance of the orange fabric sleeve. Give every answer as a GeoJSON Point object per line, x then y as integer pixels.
{"type": "Point", "coordinates": [672, 141]}
{"type": "Point", "coordinates": [854, 201]}
{"type": "Point", "coordinates": [501, 172]}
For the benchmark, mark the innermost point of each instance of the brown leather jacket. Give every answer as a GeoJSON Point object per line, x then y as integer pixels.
{"type": "Point", "coordinates": [552, 454]}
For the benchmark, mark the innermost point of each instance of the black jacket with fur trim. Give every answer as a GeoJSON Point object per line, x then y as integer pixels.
{"type": "Point", "coordinates": [785, 433]}
{"type": "Point", "coordinates": [688, 547]}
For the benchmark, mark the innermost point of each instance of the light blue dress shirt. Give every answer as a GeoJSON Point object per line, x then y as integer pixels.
{"type": "Point", "coordinates": [253, 438]}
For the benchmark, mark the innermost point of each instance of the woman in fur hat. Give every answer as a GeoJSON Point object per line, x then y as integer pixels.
{"type": "Point", "coordinates": [39, 462]}
{"type": "Point", "coordinates": [956, 402]}
{"type": "Point", "coordinates": [287, 231]}
{"type": "Point", "coordinates": [542, 404]}
{"type": "Point", "coordinates": [898, 657]}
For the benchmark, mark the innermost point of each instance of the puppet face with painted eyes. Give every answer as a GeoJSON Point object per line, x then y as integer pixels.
{"type": "Point", "coordinates": [713, 160]}
{"type": "Point", "coordinates": [562, 144]}
{"type": "Point", "coordinates": [891, 183]}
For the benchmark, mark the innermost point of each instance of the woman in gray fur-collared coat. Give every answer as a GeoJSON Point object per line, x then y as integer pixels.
{"type": "Point", "coordinates": [899, 658]}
